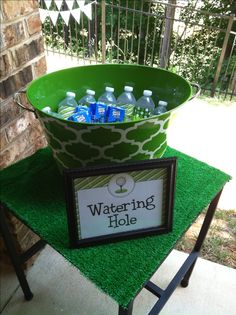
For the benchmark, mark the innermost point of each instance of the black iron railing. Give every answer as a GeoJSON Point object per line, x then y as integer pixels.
{"type": "Point", "coordinates": [197, 44]}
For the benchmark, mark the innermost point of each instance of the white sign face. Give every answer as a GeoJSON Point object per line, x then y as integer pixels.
{"type": "Point", "coordinates": [122, 205]}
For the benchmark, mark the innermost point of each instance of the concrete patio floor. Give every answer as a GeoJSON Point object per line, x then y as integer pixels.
{"type": "Point", "coordinates": [204, 131]}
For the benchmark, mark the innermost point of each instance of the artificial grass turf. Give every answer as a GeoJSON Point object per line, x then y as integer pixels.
{"type": "Point", "coordinates": [33, 190]}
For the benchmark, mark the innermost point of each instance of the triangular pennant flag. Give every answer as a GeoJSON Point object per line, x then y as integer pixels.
{"type": "Point", "coordinates": [81, 3]}
{"type": "Point", "coordinates": [43, 14]}
{"type": "Point", "coordinates": [76, 14]}
{"type": "Point", "coordinates": [58, 4]}
{"type": "Point", "coordinates": [87, 9]}
{"type": "Point", "coordinates": [48, 3]}
{"type": "Point", "coordinates": [53, 15]}
{"type": "Point", "coordinates": [70, 4]}
{"type": "Point", "coordinates": [66, 16]}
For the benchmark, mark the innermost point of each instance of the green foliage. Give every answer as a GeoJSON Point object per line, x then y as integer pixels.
{"type": "Point", "coordinates": [196, 49]}
{"type": "Point", "coordinates": [195, 57]}
{"type": "Point", "coordinates": [132, 32]}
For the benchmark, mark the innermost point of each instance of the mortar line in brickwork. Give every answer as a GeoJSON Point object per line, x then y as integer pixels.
{"type": "Point", "coordinates": [28, 63]}
{"type": "Point", "coordinates": [22, 42]}
{"type": "Point", "coordinates": [18, 19]}
{"type": "Point", "coordinates": [24, 153]}
{"type": "Point", "coordinates": [23, 114]}
{"type": "Point", "coordinates": [32, 147]}
{"type": "Point", "coordinates": [5, 101]}
{"type": "Point", "coordinates": [14, 120]}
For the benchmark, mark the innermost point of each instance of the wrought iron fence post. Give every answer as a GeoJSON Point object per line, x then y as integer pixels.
{"type": "Point", "coordinates": [103, 31]}
{"type": "Point", "coordinates": [165, 47]}
{"type": "Point", "coordinates": [222, 55]}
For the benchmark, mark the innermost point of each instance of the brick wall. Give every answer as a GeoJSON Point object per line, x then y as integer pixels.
{"type": "Point", "coordinates": [22, 59]}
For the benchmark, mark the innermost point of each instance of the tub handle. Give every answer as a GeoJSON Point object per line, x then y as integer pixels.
{"type": "Point", "coordinates": [198, 90]}
{"type": "Point", "coordinates": [16, 99]}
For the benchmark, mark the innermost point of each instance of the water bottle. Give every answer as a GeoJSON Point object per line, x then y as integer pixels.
{"type": "Point", "coordinates": [145, 106]}
{"type": "Point", "coordinates": [161, 108]}
{"type": "Point", "coordinates": [88, 98]}
{"type": "Point", "coordinates": [127, 101]}
{"type": "Point", "coordinates": [67, 106]}
{"type": "Point", "coordinates": [49, 111]}
{"type": "Point", "coordinates": [108, 97]}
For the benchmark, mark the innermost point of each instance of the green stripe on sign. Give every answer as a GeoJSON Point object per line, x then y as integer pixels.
{"type": "Point", "coordinates": [148, 174]}
{"type": "Point", "coordinates": [92, 182]}
{"type": "Point", "coordinates": [103, 180]}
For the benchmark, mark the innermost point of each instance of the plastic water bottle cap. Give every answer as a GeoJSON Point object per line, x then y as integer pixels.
{"type": "Point", "coordinates": [109, 89]}
{"type": "Point", "coordinates": [162, 103]}
{"type": "Point", "coordinates": [46, 109]}
{"type": "Point", "coordinates": [128, 88]}
{"type": "Point", "coordinates": [147, 93]}
{"type": "Point", "coordinates": [70, 94]}
{"type": "Point", "coordinates": [90, 92]}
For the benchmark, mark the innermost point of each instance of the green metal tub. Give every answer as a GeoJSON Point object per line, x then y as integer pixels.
{"type": "Point", "coordinates": [80, 144]}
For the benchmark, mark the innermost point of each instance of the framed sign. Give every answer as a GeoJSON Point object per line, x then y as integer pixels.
{"type": "Point", "coordinates": [122, 201]}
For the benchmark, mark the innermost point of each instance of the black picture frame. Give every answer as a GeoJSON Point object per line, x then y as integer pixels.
{"type": "Point", "coordinates": [166, 170]}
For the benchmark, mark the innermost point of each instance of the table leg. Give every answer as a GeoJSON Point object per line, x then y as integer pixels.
{"type": "Point", "coordinates": [15, 258]}
{"type": "Point", "coordinates": [202, 235]}
{"type": "Point", "coordinates": [126, 311]}
{"type": "Point", "coordinates": [184, 273]}
{"type": "Point", "coordinates": [18, 259]}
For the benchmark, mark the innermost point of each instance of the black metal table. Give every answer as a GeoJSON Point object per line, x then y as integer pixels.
{"type": "Point", "coordinates": [182, 276]}
{"type": "Point", "coordinates": [47, 171]}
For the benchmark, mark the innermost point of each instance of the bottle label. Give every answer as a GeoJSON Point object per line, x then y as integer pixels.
{"type": "Point", "coordinates": [66, 111]}
{"type": "Point", "coordinates": [140, 112]}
